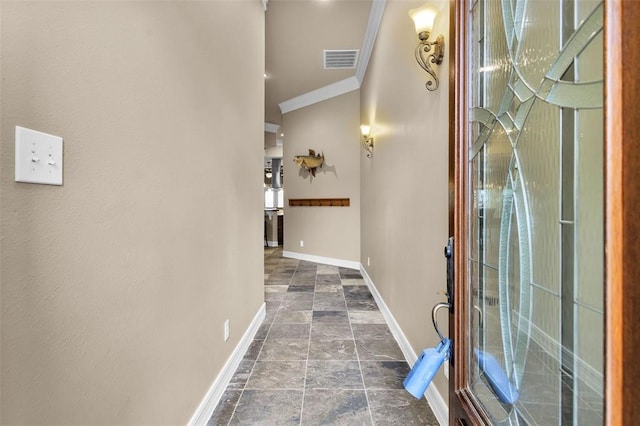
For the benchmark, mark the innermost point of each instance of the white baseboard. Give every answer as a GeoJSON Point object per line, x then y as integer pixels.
{"type": "Point", "coordinates": [272, 244]}
{"type": "Point", "coordinates": [211, 399]}
{"type": "Point", "coordinates": [324, 260]}
{"type": "Point", "coordinates": [439, 406]}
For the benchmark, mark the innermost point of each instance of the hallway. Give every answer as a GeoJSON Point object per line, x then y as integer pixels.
{"type": "Point", "coordinates": [323, 355]}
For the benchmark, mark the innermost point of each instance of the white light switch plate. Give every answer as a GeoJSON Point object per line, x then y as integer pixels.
{"type": "Point", "coordinates": [38, 157]}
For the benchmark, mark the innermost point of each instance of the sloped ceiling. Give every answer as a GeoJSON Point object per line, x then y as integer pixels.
{"type": "Point", "coordinates": [297, 32]}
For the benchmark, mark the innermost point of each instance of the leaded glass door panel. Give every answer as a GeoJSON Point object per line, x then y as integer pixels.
{"type": "Point", "coordinates": [534, 211]}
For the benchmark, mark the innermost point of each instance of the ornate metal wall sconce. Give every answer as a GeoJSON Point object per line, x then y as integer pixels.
{"type": "Point", "coordinates": [428, 52]}
{"type": "Point", "coordinates": [367, 139]}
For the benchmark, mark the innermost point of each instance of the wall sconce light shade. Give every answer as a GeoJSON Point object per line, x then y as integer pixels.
{"type": "Point", "coordinates": [367, 140]}
{"type": "Point", "coordinates": [428, 52]}
{"type": "Point", "coordinates": [423, 18]}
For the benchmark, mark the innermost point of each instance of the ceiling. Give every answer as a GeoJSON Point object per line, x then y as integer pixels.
{"type": "Point", "coordinates": [297, 32]}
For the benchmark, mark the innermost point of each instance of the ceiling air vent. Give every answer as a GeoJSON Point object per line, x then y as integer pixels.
{"type": "Point", "coordinates": [340, 59]}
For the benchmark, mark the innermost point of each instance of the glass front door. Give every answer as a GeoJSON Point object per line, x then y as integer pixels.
{"type": "Point", "coordinates": [535, 211]}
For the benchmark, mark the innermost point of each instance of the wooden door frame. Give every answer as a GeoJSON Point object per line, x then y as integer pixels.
{"type": "Point", "coordinates": [622, 224]}
{"type": "Point", "coordinates": [465, 408]}
{"type": "Point", "coordinates": [622, 213]}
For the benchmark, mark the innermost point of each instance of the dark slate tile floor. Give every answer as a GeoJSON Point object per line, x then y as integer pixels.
{"type": "Point", "coordinates": [324, 355]}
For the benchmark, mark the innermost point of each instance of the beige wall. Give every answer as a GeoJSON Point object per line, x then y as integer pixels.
{"type": "Point", "coordinates": [330, 127]}
{"type": "Point", "coordinates": [116, 285]}
{"type": "Point", "coordinates": [269, 140]}
{"type": "Point", "coordinates": [404, 185]}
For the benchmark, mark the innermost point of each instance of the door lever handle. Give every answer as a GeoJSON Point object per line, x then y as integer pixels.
{"type": "Point", "coordinates": [434, 313]}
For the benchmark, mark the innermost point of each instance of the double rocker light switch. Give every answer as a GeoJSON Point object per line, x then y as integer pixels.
{"type": "Point", "coordinates": [38, 157]}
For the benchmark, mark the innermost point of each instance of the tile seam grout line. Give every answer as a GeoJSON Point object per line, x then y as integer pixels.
{"type": "Point", "coordinates": [306, 361]}
{"type": "Point", "coordinates": [355, 346]}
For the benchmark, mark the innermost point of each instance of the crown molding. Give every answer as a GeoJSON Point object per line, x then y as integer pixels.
{"type": "Point", "coordinates": [348, 84]}
{"type": "Point", "coordinates": [327, 92]}
{"type": "Point", "coordinates": [375, 18]}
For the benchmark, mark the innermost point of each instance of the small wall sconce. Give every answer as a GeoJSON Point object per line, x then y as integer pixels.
{"type": "Point", "coordinates": [367, 139]}
{"type": "Point", "coordinates": [428, 51]}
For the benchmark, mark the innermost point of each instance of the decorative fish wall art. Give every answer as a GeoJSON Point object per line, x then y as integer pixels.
{"type": "Point", "coordinates": [310, 162]}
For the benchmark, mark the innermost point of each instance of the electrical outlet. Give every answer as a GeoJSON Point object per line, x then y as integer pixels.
{"type": "Point", "coordinates": [446, 370]}
{"type": "Point", "coordinates": [368, 261]}
{"type": "Point", "coordinates": [301, 243]}
{"type": "Point", "coordinates": [226, 330]}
